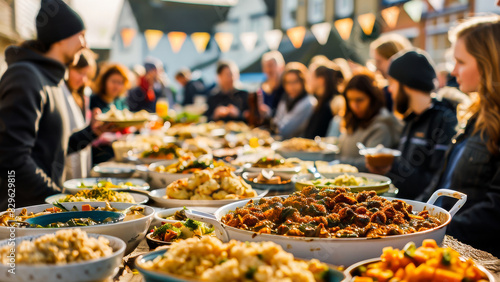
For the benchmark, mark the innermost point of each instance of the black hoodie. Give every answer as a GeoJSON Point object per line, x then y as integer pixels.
{"type": "Point", "coordinates": [34, 129]}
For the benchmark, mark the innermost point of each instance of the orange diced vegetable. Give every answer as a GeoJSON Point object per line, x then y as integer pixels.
{"type": "Point", "coordinates": [443, 275]}
{"type": "Point", "coordinates": [363, 279]}
{"type": "Point", "coordinates": [429, 243]}
{"type": "Point", "coordinates": [86, 207]}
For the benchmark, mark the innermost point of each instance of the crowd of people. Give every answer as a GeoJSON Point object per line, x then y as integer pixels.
{"type": "Point", "coordinates": [449, 137]}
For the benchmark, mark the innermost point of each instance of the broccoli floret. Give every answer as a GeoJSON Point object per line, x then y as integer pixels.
{"type": "Point", "coordinates": [163, 229]}
{"type": "Point", "coordinates": [192, 224]}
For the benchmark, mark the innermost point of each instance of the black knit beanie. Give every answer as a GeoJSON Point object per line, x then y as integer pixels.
{"type": "Point", "coordinates": [57, 21]}
{"type": "Point", "coordinates": [413, 69]}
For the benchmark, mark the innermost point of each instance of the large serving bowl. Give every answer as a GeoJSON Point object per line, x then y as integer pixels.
{"type": "Point", "coordinates": [138, 198]}
{"type": "Point", "coordinates": [378, 183]}
{"type": "Point", "coordinates": [157, 196]}
{"type": "Point", "coordinates": [131, 231]}
{"type": "Point", "coordinates": [162, 179]}
{"type": "Point", "coordinates": [338, 251]}
{"type": "Point", "coordinates": [91, 270]}
{"type": "Point", "coordinates": [351, 270]}
{"type": "Point", "coordinates": [155, 276]}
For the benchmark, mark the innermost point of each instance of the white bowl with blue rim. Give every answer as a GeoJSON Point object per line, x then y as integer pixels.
{"type": "Point", "coordinates": [90, 270]}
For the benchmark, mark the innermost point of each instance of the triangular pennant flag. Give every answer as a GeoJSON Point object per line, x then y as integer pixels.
{"type": "Point", "coordinates": [127, 35]}
{"type": "Point", "coordinates": [153, 37]}
{"type": "Point", "coordinates": [344, 27]}
{"type": "Point", "coordinates": [391, 15]}
{"type": "Point", "coordinates": [200, 41]}
{"type": "Point", "coordinates": [414, 9]}
{"type": "Point", "coordinates": [273, 38]}
{"type": "Point", "coordinates": [248, 40]}
{"type": "Point", "coordinates": [437, 5]}
{"type": "Point", "coordinates": [367, 21]}
{"type": "Point", "coordinates": [321, 31]}
{"type": "Point", "coordinates": [224, 40]}
{"type": "Point", "coordinates": [176, 39]}
{"type": "Point", "coordinates": [296, 35]}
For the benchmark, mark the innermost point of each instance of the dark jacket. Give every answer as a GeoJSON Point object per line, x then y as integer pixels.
{"type": "Point", "coordinates": [137, 99]}
{"type": "Point", "coordinates": [238, 98]}
{"type": "Point", "coordinates": [477, 174]}
{"type": "Point", "coordinates": [424, 141]}
{"type": "Point", "coordinates": [34, 128]}
{"type": "Point", "coordinates": [192, 88]}
{"type": "Point", "coordinates": [319, 122]}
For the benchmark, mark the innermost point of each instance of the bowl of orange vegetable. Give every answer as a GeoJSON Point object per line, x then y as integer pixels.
{"type": "Point", "coordinates": [426, 263]}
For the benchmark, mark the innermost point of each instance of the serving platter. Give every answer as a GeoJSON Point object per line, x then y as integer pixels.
{"type": "Point", "coordinates": [157, 196]}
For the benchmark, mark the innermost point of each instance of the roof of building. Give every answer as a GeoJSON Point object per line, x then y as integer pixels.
{"type": "Point", "coordinates": [174, 16]}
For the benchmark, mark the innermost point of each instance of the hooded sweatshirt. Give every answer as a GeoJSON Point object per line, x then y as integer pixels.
{"type": "Point", "coordinates": [34, 128]}
{"type": "Point", "coordinates": [385, 129]}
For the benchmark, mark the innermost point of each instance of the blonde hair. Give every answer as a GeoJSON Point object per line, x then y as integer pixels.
{"type": "Point", "coordinates": [274, 56]}
{"type": "Point", "coordinates": [389, 44]}
{"type": "Point", "coordinates": [481, 36]}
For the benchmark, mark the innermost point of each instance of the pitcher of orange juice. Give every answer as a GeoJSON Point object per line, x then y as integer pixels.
{"type": "Point", "coordinates": [162, 107]}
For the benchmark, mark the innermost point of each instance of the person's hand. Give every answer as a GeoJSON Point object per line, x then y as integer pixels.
{"type": "Point", "coordinates": [233, 111]}
{"type": "Point", "coordinates": [220, 112]}
{"type": "Point", "coordinates": [382, 170]}
{"type": "Point", "coordinates": [99, 127]}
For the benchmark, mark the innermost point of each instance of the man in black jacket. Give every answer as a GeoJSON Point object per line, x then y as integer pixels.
{"type": "Point", "coordinates": [429, 124]}
{"type": "Point", "coordinates": [34, 126]}
{"type": "Point", "coordinates": [191, 87]}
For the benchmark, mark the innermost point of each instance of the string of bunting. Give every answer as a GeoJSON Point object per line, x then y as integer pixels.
{"type": "Point", "coordinates": [273, 38]}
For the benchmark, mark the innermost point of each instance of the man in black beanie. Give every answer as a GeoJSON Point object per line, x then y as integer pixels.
{"type": "Point", "coordinates": [429, 124]}
{"type": "Point", "coordinates": [34, 126]}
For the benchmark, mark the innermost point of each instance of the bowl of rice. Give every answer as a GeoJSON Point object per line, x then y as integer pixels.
{"type": "Point", "coordinates": [66, 255]}
{"type": "Point", "coordinates": [208, 259]}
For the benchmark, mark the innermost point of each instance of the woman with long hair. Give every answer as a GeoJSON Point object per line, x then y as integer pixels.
{"type": "Point", "coordinates": [324, 87]}
{"type": "Point", "coordinates": [366, 120]}
{"type": "Point", "coordinates": [80, 73]}
{"type": "Point", "coordinates": [296, 106]}
{"type": "Point", "coordinates": [381, 50]}
{"type": "Point", "coordinates": [109, 89]}
{"type": "Point", "coordinates": [473, 163]}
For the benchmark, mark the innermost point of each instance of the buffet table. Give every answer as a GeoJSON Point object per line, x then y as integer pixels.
{"type": "Point", "coordinates": [490, 262]}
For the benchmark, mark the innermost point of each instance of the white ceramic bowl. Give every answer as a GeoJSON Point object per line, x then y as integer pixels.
{"type": "Point", "coordinates": [157, 196]}
{"type": "Point", "coordinates": [132, 231]}
{"type": "Point", "coordinates": [162, 179]}
{"type": "Point", "coordinates": [92, 270]}
{"type": "Point", "coordinates": [337, 251]}
{"type": "Point", "coordinates": [160, 216]}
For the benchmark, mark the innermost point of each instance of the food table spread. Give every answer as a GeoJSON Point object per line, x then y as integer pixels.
{"type": "Point", "coordinates": [327, 208]}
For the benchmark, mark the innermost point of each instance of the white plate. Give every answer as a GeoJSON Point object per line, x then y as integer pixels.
{"type": "Point", "coordinates": [91, 270]}
{"type": "Point", "coordinates": [139, 199]}
{"type": "Point", "coordinates": [71, 186]}
{"type": "Point", "coordinates": [157, 196]}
